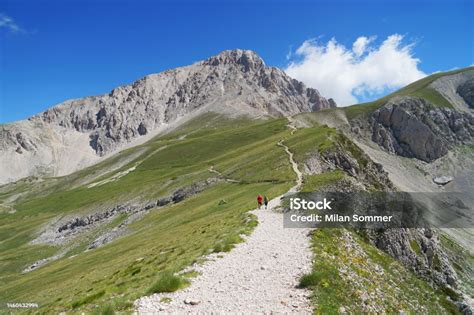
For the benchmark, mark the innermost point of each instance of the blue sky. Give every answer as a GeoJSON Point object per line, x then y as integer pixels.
{"type": "Point", "coordinates": [56, 50]}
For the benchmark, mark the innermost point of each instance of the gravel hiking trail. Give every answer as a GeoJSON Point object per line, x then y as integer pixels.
{"type": "Point", "coordinates": [259, 276]}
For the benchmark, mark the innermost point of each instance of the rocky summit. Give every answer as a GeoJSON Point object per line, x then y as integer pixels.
{"type": "Point", "coordinates": [76, 133]}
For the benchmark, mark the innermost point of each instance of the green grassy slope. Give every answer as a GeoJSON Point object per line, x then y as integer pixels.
{"type": "Point", "coordinates": [166, 239]}
{"type": "Point", "coordinates": [170, 238]}
{"type": "Point", "coordinates": [355, 276]}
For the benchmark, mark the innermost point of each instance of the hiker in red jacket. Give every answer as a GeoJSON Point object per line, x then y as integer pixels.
{"type": "Point", "coordinates": [259, 200]}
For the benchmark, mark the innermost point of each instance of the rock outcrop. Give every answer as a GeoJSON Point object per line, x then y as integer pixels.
{"type": "Point", "coordinates": [412, 127]}
{"type": "Point", "coordinates": [466, 91]}
{"type": "Point", "coordinates": [346, 156]}
{"type": "Point", "coordinates": [235, 82]}
{"type": "Point", "coordinates": [66, 229]}
{"type": "Point", "coordinates": [418, 250]}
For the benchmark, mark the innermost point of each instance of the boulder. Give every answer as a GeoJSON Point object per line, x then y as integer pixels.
{"type": "Point", "coordinates": [442, 180]}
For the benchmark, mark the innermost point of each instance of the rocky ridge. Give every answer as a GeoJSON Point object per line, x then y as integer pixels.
{"type": "Point", "coordinates": [65, 229]}
{"type": "Point", "coordinates": [412, 127]}
{"type": "Point", "coordinates": [419, 249]}
{"type": "Point", "coordinates": [344, 155]}
{"type": "Point", "coordinates": [237, 81]}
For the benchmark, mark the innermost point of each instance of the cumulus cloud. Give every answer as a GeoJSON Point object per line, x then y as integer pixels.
{"type": "Point", "coordinates": [360, 45]}
{"type": "Point", "coordinates": [9, 23]}
{"type": "Point", "coordinates": [350, 75]}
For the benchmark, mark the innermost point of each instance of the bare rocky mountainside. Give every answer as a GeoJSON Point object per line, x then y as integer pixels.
{"type": "Point", "coordinates": [77, 133]}
{"type": "Point", "coordinates": [412, 127]}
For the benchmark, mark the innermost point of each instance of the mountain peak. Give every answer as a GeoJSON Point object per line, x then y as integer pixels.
{"type": "Point", "coordinates": [232, 83]}
{"type": "Point", "coordinates": [249, 59]}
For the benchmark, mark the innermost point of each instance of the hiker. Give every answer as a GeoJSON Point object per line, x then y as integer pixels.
{"type": "Point", "coordinates": [259, 200]}
{"type": "Point", "coordinates": [265, 201]}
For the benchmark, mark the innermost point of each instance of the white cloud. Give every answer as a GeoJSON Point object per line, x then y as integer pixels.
{"type": "Point", "coordinates": [9, 24]}
{"type": "Point", "coordinates": [365, 70]}
{"type": "Point", "coordinates": [360, 45]}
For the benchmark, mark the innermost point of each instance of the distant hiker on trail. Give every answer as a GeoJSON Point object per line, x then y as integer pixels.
{"type": "Point", "coordinates": [265, 201]}
{"type": "Point", "coordinates": [259, 200]}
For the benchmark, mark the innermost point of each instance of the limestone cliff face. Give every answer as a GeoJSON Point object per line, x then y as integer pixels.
{"type": "Point", "coordinates": [235, 82]}
{"type": "Point", "coordinates": [412, 127]}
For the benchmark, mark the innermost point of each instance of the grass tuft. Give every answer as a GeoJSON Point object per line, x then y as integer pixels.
{"type": "Point", "coordinates": [227, 244]}
{"type": "Point", "coordinates": [167, 282]}
{"type": "Point", "coordinates": [88, 299]}
{"type": "Point", "coordinates": [309, 280]}
{"type": "Point", "coordinates": [107, 309]}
